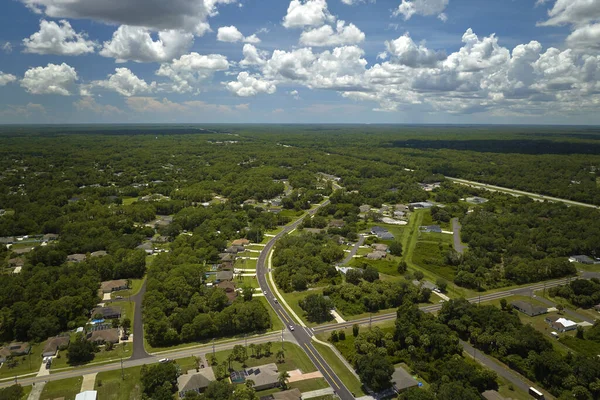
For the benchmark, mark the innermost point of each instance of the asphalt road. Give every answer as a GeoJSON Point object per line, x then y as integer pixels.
{"type": "Point", "coordinates": [350, 256]}
{"type": "Point", "coordinates": [523, 291]}
{"type": "Point", "coordinates": [520, 192]}
{"type": "Point", "coordinates": [458, 246]}
{"type": "Point", "coordinates": [174, 354]}
{"type": "Point", "coordinates": [139, 352]}
{"type": "Point", "coordinates": [301, 334]}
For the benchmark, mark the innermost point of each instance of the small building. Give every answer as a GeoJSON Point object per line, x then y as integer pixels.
{"type": "Point", "coordinates": [337, 223]}
{"type": "Point", "coordinates": [293, 394]}
{"type": "Point", "coordinates": [101, 336]}
{"type": "Point", "coordinates": [264, 377]}
{"type": "Point", "coordinates": [386, 236]}
{"type": "Point", "coordinates": [224, 276]}
{"type": "Point", "coordinates": [431, 229]}
{"type": "Point", "coordinates": [365, 208]}
{"type": "Point", "coordinates": [14, 349]}
{"type": "Point", "coordinates": [476, 200]}
{"type": "Point", "coordinates": [194, 381]}
{"type": "Point", "coordinates": [234, 249]}
{"type": "Point", "coordinates": [376, 255]}
{"type": "Point", "coordinates": [399, 214]}
{"type": "Point", "coordinates": [376, 230]}
{"type": "Point", "coordinates": [107, 312]}
{"type": "Point", "coordinates": [343, 270]}
{"type": "Point", "coordinates": [561, 324]}
{"type": "Point", "coordinates": [581, 259]}
{"type": "Point", "coordinates": [380, 246]}
{"type": "Point", "coordinates": [492, 395]}
{"type": "Point", "coordinates": [428, 187]}
{"type": "Point", "coordinates": [528, 308]}
{"type": "Point", "coordinates": [147, 247]}
{"type": "Point", "coordinates": [402, 380]}
{"type": "Point", "coordinates": [99, 253]}
{"type": "Point", "coordinates": [87, 395]}
{"type": "Point", "coordinates": [49, 237]}
{"type": "Point", "coordinates": [16, 262]}
{"type": "Point", "coordinates": [114, 286]}
{"type": "Point", "coordinates": [421, 204]}
{"type": "Point", "coordinates": [54, 344]}
{"type": "Point", "coordinates": [229, 288]}
{"type": "Point", "coordinates": [76, 258]}
{"type": "Point", "coordinates": [240, 242]}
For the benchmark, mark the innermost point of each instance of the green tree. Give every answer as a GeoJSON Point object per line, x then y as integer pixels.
{"type": "Point", "coordinates": [247, 292]}
{"type": "Point", "coordinates": [396, 249]}
{"type": "Point", "coordinates": [375, 372]}
{"type": "Point", "coordinates": [280, 355]}
{"type": "Point", "coordinates": [160, 377]}
{"type": "Point", "coordinates": [442, 284]}
{"type": "Point", "coordinates": [126, 324]}
{"type": "Point", "coordinates": [317, 307]}
{"type": "Point", "coordinates": [371, 274]}
{"type": "Point", "coordinates": [14, 392]}
{"type": "Point", "coordinates": [283, 379]}
{"type": "Point", "coordinates": [355, 329]}
{"type": "Point", "coordinates": [402, 267]}
{"type": "Point", "coordinates": [80, 350]}
{"type": "Point", "coordinates": [419, 275]}
{"type": "Point", "coordinates": [354, 276]}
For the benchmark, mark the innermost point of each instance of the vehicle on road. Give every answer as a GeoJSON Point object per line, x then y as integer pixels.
{"type": "Point", "coordinates": [119, 298]}
{"type": "Point", "coordinates": [164, 360]}
{"type": "Point", "coordinates": [275, 299]}
{"type": "Point", "coordinates": [291, 327]}
{"type": "Point", "coordinates": [264, 292]}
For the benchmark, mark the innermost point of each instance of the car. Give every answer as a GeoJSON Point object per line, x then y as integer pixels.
{"type": "Point", "coordinates": [264, 292]}
{"type": "Point", "coordinates": [275, 299]}
{"type": "Point", "coordinates": [119, 297]}
{"type": "Point", "coordinates": [291, 327]}
{"type": "Point", "coordinates": [164, 360]}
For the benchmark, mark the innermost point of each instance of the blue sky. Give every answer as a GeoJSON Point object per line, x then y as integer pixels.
{"type": "Point", "coordinates": [371, 61]}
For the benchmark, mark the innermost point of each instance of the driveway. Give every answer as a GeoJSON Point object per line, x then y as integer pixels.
{"type": "Point", "coordinates": [350, 256]}
{"type": "Point", "coordinates": [458, 246]}
{"type": "Point", "coordinates": [139, 352]}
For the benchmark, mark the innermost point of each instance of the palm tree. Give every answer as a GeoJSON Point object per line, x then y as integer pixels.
{"type": "Point", "coordinates": [283, 379]}
{"type": "Point", "coordinates": [280, 355]}
{"type": "Point", "coordinates": [230, 359]}
{"type": "Point", "coordinates": [252, 347]}
{"type": "Point", "coordinates": [249, 383]}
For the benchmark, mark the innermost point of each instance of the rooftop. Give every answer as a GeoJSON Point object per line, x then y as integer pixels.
{"type": "Point", "coordinates": [402, 380]}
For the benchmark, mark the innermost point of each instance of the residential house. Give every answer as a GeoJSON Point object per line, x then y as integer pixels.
{"type": "Point", "coordinates": [399, 214]}
{"type": "Point", "coordinates": [224, 276]}
{"type": "Point", "coordinates": [14, 349]}
{"type": "Point", "coordinates": [402, 380]}
{"type": "Point", "coordinates": [49, 237]}
{"type": "Point", "coordinates": [54, 344]}
{"type": "Point", "coordinates": [293, 394]}
{"type": "Point", "coordinates": [365, 208]}
{"type": "Point", "coordinates": [337, 223]}
{"type": "Point", "coordinates": [561, 324]}
{"type": "Point", "coordinates": [114, 286]}
{"type": "Point", "coordinates": [227, 260]}
{"type": "Point", "coordinates": [380, 247]}
{"type": "Point", "coordinates": [421, 204]}
{"type": "Point", "coordinates": [107, 312]}
{"type": "Point", "coordinates": [194, 381]}
{"type": "Point", "coordinates": [377, 230]}
{"type": "Point", "coordinates": [240, 242]}
{"type": "Point", "coordinates": [428, 187]}
{"type": "Point", "coordinates": [582, 259]}
{"type": "Point", "coordinates": [147, 247]}
{"type": "Point", "coordinates": [431, 229]}
{"type": "Point", "coordinates": [99, 253]}
{"type": "Point", "coordinates": [376, 255]}
{"type": "Point", "coordinates": [76, 258]}
{"type": "Point", "coordinates": [343, 270]}
{"type": "Point", "coordinates": [7, 240]}
{"type": "Point", "coordinates": [234, 249]}
{"type": "Point", "coordinates": [229, 288]}
{"type": "Point", "coordinates": [16, 262]}
{"type": "Point", "coordinates": [101, 336]}
{"type": "Point", "coordinates": [264, 377]}
{"type": "Point", "coordinates": [528, 308]}
{"type": "Point", "coordinates": [476, 200]}
{"type": "Point", "coordinates": [386, 236]}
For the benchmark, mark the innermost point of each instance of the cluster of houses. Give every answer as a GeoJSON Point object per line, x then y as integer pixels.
{"type": "Point", "coordinates": [27, 243]}
{"type": "Point", "coordinates": [264, 377]}
{"type": "Point", "coordinates": [583, 260]}
{"type": "Point", "coordinates": [428, 187]}
{"type": "Point", "coordinates": [397, 215]}
{"type": "Point", "coordinates": [380, 252]}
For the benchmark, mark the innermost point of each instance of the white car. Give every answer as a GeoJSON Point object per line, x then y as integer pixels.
{"type": "Point", "coordinates": [164, 360]}
{"type": "Point", "coordinates": [291, 327]}
{"type": "Point", "coordinates": [264, 292]}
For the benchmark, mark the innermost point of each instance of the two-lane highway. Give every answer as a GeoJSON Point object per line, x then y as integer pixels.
{"type": "Point", "coordinates": [301, 334]}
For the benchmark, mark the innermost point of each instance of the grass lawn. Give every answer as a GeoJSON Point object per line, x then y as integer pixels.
{"type": "Point", "coordinates": [67, 388]}
{"type": "Point", "coordinates": [429, 256]}
{"type": "Point", "coordinates": [102, 356]}
{"type": "Point", "coordinates": [25, 364]}
{"type": "Point", "coordinates": [293, 299]}
{"type": "Point", "coordinates": [295, 358]}
{"type": "Point", "coordinates": [309, 385]}
{"type": "Point", "coordinates": [389, 266]}
{"type": "Point", "coordinates": [127, 201]}
{"type": "Point", "coordinates": [340, 369]}
{"type": "Point", "coordinates": [246, 263]}
{"type": "Point", "coordinates": [111, 386]}
{"type": "Point", "coordinates": [275, 321]}
{"type": "Point", "coordinates": [26, 391]}
{"type": "Point", "coordinates": [136, 284]}
{"type": "Point", "coordinates": [246, 281]}
{"type": "Point", "coordinates": [584, 347]}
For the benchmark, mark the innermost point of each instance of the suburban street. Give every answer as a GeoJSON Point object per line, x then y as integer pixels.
{"type": "Point", "coordinates": [354, 250]}
{"type": "Point", "coordinates": [139, 352]}
{"type": "Point", "coordinates": [458, 246]}
{"type": "Point", "coordinates": [301, 334]}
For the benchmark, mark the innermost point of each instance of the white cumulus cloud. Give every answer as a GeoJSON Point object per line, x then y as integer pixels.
{"type": "Point", "coordinates": [191, 69]}
{"type": "Point", "coordinates": [52, 79]}
{"type": "Point", "coordinates": [130, 43]}
{"type": "Point", "coordinates": [585, 38]}
{"type": "Point", "coordinates": [426, 8]}
{"type": "Point", "coordinates": [62, 39]}
{"type": "Point", "coordinates": [187, 15]}
{"type": "Point", "coordinates": [302, 13]}
{"type": "Point", "coordinates": [126, 83]}
{"type": "Point", "coordinates": [407, 52]}
{"type": "Point", "coordinates": [247, 85]}
{"type": "Point", "coordinates": [573, 12]}
{"type": "Point", "coordinates": [252, 56]}
{"type": "Point", "coordinates": [5, 79]}
{"type": "Point", "coordinates": [231, 34]}
{"type": "Point", "coordinates": [325, 36]}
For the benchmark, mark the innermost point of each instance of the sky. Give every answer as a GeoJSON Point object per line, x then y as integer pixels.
{"type": "Point", "coordinates": [300, 61]}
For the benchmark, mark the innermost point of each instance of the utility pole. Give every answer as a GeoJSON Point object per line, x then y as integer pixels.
{"type": "Point", "coordinates": [213, 346]}
{"type": "Point", "coordinates": [245, 340]}
{"type": "Point", "coordinates": [282, 330]}
{"type": "Point", "coordinates": [122, 370]}
{"type": "Point", "coordinates": [370, 320]}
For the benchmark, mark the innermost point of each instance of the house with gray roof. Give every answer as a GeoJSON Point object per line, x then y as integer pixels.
{"type": "Point", "coordinates": [194, 381]}
{"type": "Point", "coordinates": [264, 376]}
{"type": "Point", "coordinates": [402, 380]}
{"type": "Point", "coordinates": [528, 308]}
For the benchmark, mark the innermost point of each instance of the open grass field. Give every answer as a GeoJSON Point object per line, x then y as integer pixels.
{"type": "Point", "coordinates": [429, 256]}
{"type": "Point", "coordinates": [293, 299]}
{"type": "Point", "coordinates": [304, 386]}
{"type": "Point", "coordinates": [295, 358]}
{"type": "Point", "coordinates": [111, 386]}
{"type": "Point", "coordinates": [64, 388]}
